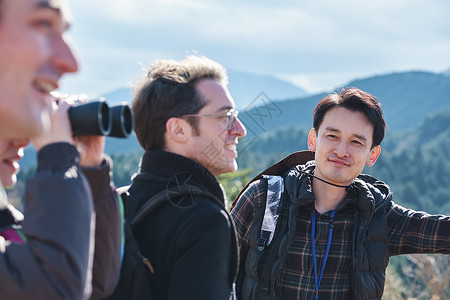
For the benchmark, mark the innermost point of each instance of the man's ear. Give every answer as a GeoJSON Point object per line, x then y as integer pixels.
{"type": "Point", "coordinates": [177, 129]}
{"type": "Point", "coordinates": [374, 153]}
{"type": "Point", "coordinates": [312, 140]}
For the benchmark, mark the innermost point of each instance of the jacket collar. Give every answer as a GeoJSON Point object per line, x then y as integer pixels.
{"type": "Point", "coordinates": [370, 193]}
{"type": "Point", "coordinates": [179, 169]}
{"type": "Point", "coordinates": [10, 216]}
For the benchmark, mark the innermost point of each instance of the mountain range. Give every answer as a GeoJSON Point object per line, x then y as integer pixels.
{"type": "Point", "coordinates": [407, 98]}
{"type": "Point", "coordinates": [447, 73]}
{"type": "Point", "coordinates": [244, 87]}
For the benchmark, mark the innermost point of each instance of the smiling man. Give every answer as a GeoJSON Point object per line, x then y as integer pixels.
{"type": "Point", "coordinates": [335, 228]}
{"type": "Point", "coordinates": [48, 252]}
{"type": "Point", "coordinates": [185, 119]}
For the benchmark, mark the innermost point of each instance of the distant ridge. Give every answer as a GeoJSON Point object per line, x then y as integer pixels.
{"type": "Point", "coordinates": [446, 73]}
{"type": "Point", "coordinates": [244, 88]}
{"type": "Point", "coordinates": [406, 98]}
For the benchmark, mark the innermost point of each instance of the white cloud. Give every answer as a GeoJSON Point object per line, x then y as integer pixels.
{"type": "Point", "coordinates": [316, 42]}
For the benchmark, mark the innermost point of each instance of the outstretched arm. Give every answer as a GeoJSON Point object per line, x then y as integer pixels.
{"type": "Point", "coordinates": [417, 232]}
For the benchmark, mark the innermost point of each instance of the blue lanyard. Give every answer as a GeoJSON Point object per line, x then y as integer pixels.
{"type": "Point", "coordinates": [313, 233]}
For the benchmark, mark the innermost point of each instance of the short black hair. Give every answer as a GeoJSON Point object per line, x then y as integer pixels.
{"type": "Point", "coordinates": [356, 100]}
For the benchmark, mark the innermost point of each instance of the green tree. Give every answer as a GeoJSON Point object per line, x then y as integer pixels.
{"type": "Point", "coordinates": [234, 183]}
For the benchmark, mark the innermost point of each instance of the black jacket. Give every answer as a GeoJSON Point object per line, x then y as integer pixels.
{"type": "Point", "coordinates": [369, 251]}
{"type": "Point", "coordinates": [370, 248]}
{"type": "Point", "coordinates": [190, 242]}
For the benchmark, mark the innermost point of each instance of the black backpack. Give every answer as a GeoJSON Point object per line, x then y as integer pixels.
{"type": "Point", "coordinates": [136, 270]}
{"type": "Point", "coordinates": [269, 245]}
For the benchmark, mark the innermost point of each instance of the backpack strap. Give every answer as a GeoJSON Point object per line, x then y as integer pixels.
{"type": "Point", "coordinates": [275, 189]}
{"type": "Point", "coordinates": [168, 195]}
{"type": "Point", "coordinates": [267, 231]}
{"type": "Point", "coordinates": [129, 204]}
{"type": "Point", "coordinates": [281, 167]}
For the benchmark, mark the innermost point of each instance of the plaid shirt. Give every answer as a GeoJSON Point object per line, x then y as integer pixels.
{"type": "Point", "coordinates": [408, 232]}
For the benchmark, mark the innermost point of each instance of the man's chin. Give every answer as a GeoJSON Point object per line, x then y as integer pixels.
{"type": "Point", "coordinates": [9, 184]}
{"type": "Point", "coordinates": [231, 167]}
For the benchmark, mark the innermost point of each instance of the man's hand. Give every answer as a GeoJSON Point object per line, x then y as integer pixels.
{"type": "Point", "coordinates": [59, 129]}
{"type": "Point", "coordinates": [91, 149]}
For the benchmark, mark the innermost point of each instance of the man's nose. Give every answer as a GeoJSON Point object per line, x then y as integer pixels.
{"type": "Point", "coordinates": [341, 149]}
{"type": "Point", "coordinates": [238, 129]}
{"type": "Point", "coordinates": [63, 58]}
{"type": "Point", "coordinates": [20, 143]}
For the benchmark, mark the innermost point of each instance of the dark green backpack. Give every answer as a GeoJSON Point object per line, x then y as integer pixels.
{"type": "Point", "coordinates": [136, 270]}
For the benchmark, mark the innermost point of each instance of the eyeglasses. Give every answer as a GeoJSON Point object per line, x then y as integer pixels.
{"type": "Point", "coordinates": [231, 116]}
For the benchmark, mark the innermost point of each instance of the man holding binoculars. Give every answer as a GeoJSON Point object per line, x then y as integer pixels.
{"type": "Point", "coordinates": [66, 245]}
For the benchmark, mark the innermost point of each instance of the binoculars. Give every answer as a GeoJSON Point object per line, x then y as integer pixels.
{"type": "Point", "coordinates": [97, 118]}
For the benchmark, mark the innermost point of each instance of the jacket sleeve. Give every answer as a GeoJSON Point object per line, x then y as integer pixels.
{"type": "Point", "coordinates": [201, 266]}
{"type": "Point", "coordinates": [54, 263]}
{"type": "Point", "coordinates": [417, 232]}
{"type": "Point", "coordinates": [108, 230]}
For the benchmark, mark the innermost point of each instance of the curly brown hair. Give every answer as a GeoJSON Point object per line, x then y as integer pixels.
{"type": "Point", "coordinates": [169, 90]}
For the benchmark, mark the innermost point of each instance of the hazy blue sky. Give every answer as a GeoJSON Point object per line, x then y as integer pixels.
{"type": "Point", "coordinates": [318, 45]}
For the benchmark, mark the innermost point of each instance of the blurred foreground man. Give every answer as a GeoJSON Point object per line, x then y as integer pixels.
{"type": "Point", "coordinates": [48, 252]}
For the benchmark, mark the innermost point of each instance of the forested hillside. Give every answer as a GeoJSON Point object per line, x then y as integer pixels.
{"type": "Point", "coordinates": [415, 163]}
